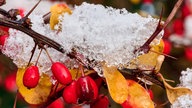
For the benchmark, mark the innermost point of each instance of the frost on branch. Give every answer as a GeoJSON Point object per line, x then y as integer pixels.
{"type": "Point", "coordinates": [184, 101]}
{"type": "Point", "coordinates": [99, 33]}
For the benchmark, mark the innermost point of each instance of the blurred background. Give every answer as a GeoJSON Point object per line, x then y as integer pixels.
{"type": "Point", "coordinates": [177, 38]}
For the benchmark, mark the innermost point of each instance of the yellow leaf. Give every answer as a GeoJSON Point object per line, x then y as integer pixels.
{"type": "Point", "coordinates": [150, 60]}
{"type": "Point", "coordinates": [56, 11]}
{"type": "Point", "coordinates": [117, 84]}
{"type": "Point", "coordinates": [35, 95]}
{"type": "Point", "coordinates": [138, 97]}
{"type": "Point", "coordinates": [174, 92]}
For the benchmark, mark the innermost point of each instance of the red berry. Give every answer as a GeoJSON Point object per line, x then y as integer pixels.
{"type": "Point", "coordinates": [86, 89]}
{"type": "Point", "coordinates": [150, 93]}
{"type": "Point", "coordinates": [31, 77]}
{"type": "Point", "coordinates": [178, 26]}
{"type": "Point", "coordinates": [101, 102]}
{"type": "Point", "coordinates": [5, 29]}
{"type": "Point", "coordinates": [10, 83]}
{"type": "Point", "coordinates": [21, 12]}
{"type": "Point", "coordinates": [167, 47]}
{"type": "Point", "coordinates": [70, 94]}
{"type": "Point", "coordinates": [127, 104]}
{"type": "Point", "coordinates": [61, 73]}
{"type": "Point", "coordinates": [185, 11]}
{"type": "Point", "coordinates": [188, 53]}
{"type": "Point", "coordinates": [57, 104]}
{"type": "Point", "coordinates": [3, 39]}
{"type": "Point", "coordinates": [147, 1]}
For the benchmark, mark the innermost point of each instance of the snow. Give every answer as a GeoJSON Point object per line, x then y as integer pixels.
{"type": "Point", "coordinates": [99, 33]}
{"type": "Point", "coordinates": [184, 101]}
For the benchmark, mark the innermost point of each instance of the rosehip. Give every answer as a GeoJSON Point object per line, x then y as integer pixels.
{"type": "Point", "coordinates": [61, 73]}
{"type": "Point", "coordinates": [70, 94]}
{"type": "Point", "coordinates": [101, 102]}
{"type": "Point", "coordinates": [86, 89]}
{"type": "Point", "coordinates": [31, 77]}
{"type": "Point", "coordinates": [167, 47]}
{"type": "Point", "coordinates": [3, 39]}
{"type": "Point", "coordinates": [10, 83]}
{"type": "Point", "coordinates": [57, 104]}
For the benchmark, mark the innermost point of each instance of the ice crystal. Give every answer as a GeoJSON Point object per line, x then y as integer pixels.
{"type": "Point", "coordinates": [186, 78]}
{"type": "Point", "coordinates": [184, 101]}
{"type": "Point", "coordinates": [99, 33]}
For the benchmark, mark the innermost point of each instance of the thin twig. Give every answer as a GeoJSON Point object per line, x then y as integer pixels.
{"type": "Point", "coordinates": [32, 53]}
{"type": "Point", "coordinates": [38, 57]}
{"type": "Point", "coordinates": [145, 47]}
{"type": "Point", "coordinates": [163, 54]}
{"type": "Point", "coordinates": [15, 101]}
{"type": "Point", "coordinates": [26, 16]}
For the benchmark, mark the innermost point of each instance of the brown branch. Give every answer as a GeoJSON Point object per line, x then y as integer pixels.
{"type": "Point", "coordinates": [137, 73]}
{"type": "Point", "coordinates": [43, 40]}
{"type": "Point", "coordinates": [36, 36]}
{"type": "Point", "coordinates": [145, 47]}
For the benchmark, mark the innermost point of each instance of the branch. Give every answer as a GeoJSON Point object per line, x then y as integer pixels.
{"type": "Point", "coordinates": [36, 36]}
{"type": "Point", "coordinates": [137, 73]}
{"type": "Point", "coordinates": [145, 47]}
{"type": "Point", "coordinates": [43, 40]}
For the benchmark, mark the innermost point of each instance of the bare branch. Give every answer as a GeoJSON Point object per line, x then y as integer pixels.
{"type": "Point", "coordinates": [145, 47]}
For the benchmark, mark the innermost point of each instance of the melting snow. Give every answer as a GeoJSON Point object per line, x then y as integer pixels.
{"type": "Point", "coordinates": [99, 33]}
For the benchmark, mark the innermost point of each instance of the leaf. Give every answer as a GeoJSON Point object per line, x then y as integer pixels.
{"type": "Point", "coordinates": [174, 92]}
{"type": "Point", "coordinates": [138, 97]}
{"type": "Point", "coordinates": [116, 83]}
{"type": "Point", "coordinates": [56, 11]}
{"type": "Point", "coordinates": [35, 95]}
{"type": "Point", "coordinates": [150, 60]}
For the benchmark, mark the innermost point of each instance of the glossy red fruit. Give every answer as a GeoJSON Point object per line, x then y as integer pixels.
{"type": "Point", "coordinates": [167, 47]}
{"type": "Point", "coordinates": [101, 102]}
{"type": "Point", "coordinates": [10, 83]}
{"type": "Point", "coordinates": [150, 93]}
{"type": "Point", "coordinates": [57, 104]}
{"type": "Point", "coordinates": [87, 89]}
{"type": "Point", "coordinates": [61, 73]}
{"type": "Point", "coordinates": [3, 39]}
{"type": "Point", "coordinates": [188, 53]}
{"type": "Point", "coordinates": [70, 94]}
{"type": "Point", "coordinates": [31, 77]}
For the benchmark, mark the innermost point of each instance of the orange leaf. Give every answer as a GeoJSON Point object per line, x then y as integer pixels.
{"type": "Point", "coordinates": [116, 83]}
{"type": "Point", "coordinates": [138, 97]}
{"type": "Point", "coordinates": [35, 95]}
{"type": "Point", "coordinates": [174, 92]}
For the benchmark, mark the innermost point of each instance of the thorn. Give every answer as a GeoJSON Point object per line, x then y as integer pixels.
{"type": "Point", "coordinates": [145, 47]}
{"type": "Point", "coordinates": [164, 54]}
{"type": "Point", "coordinates": [26, 16]}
